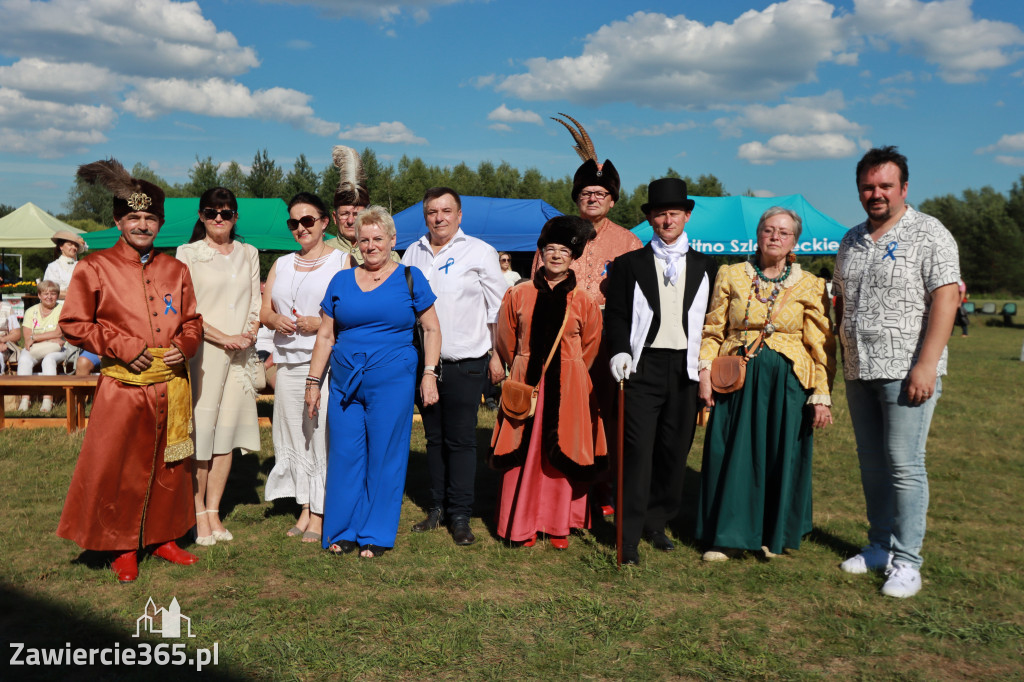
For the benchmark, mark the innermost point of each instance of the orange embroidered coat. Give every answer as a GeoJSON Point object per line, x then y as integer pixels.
{"type": "Point", "coordinates": [573, 438]}
{"type": "Point", "coordinates": [123, 495]}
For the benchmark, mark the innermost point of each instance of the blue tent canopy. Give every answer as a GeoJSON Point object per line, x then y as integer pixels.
{"type": "Point", "coordinates": [728, 225]}
{"type": "Point", "coordinates": [505, 224]}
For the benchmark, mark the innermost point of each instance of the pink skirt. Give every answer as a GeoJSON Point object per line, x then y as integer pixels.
{"type": "Point", "coordinates": [538, 498]}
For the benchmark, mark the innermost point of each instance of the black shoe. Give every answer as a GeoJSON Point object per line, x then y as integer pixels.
{"type": "Point", "coordinates": [659, 540]}
{"type": "Point", "coordinates": [630, 555]}
{"type": "Point", "coordinates": [461, 533]}
{"type": "Point", "coordinates": [491, 404]}
{"type": "Point", "coordinates": [343, 547]}
{"type": "Point", "coordinates": [433, 520]}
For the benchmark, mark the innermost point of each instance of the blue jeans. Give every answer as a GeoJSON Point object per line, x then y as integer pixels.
{"type": "Point", "coordinates": [891, 435]}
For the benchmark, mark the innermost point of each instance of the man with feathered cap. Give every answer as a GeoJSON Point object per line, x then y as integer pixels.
{"type": "Point", "coordinates": [595, 189]}
{"type": "Point", "coordinates": [134, 307]}
{"type": "Point", "coordinates": [351, 197]}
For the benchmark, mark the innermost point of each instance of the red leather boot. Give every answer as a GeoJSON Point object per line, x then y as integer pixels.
{"type": "Point", "coordinates": [169, 551]}
{"type": "Point", "coordinates": [126, 566]}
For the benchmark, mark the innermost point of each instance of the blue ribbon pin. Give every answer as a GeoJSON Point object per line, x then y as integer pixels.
{"type": "Point", "coordinates": [604, 271]}
{"type": "Point", "coordinates": [451, 262]}
{"type": "Point", "coordinates": [169, 300]}
{"type": "Point", "coordinates": [890, 251]}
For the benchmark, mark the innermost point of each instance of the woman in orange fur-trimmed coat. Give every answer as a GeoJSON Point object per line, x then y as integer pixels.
{"type": "Point", "coordinates": [549, 460]}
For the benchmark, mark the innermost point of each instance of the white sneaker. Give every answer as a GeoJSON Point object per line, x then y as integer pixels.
{"type": "Point", "coordinates": [47, 404]}
{"type": "Point", "coordinates": [903, 581]}
{"type": "Point", "coordinates": [871, 558]}
{"type": "Point", "coordinates": [23, 405]}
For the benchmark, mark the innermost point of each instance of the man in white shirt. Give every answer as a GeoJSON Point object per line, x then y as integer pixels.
{"type": "Point", "coordinates": [897, 293]}
{"type": "Point", "coordinates": [465, 275]}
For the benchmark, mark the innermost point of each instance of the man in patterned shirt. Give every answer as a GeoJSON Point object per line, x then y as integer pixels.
{"type": "Point", "coordinates": [896, 283]}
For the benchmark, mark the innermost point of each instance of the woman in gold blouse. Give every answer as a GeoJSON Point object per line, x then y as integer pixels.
{"type": "Point", "coordinates": [756, 476]}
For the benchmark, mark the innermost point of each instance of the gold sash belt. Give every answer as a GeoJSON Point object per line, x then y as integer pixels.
{"type": "Point", "coordinates": [179, 397]}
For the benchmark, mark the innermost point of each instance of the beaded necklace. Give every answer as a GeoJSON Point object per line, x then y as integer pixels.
{"type": "Point", "coordinates": [768, 299]}
{"type": "Point", "coordinates": [305, 263]}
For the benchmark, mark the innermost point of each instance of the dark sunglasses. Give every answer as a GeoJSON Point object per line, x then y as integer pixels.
{"type": "Point", "coordinates": [306, 221]}
{"type": "Point", "coordinates": [225, 213]}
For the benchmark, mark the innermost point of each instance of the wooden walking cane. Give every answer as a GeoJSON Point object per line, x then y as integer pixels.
{"type": "Point", "coordinates": [618, 473]}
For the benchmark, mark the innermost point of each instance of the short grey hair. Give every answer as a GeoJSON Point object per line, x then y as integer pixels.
{"type": "Point", "coordinates": [376, 215]}
{"type": "Point", "coordinates": [47, 285]}
{"type": "Point", "coordinates": [798, 224]}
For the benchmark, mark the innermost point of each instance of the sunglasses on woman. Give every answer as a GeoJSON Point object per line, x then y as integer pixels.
{"type": "Point", "coordinates": [306, 221]}
{"type": "Point", "coordinates": [212, 213]}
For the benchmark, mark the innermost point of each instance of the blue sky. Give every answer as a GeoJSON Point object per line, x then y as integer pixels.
{"type": "Point", "coordinates": [776, 98]}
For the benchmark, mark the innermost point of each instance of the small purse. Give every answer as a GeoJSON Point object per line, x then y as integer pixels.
{"type": "Point", "coordinates": [518, 399]}
{"type": "Point", "coordinates": [728, 372]}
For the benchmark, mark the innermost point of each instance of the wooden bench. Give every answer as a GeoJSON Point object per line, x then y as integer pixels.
{"type": "Point", "coordinates": [77, 390]}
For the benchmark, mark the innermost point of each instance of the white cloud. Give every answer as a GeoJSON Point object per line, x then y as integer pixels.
{"type": "Point", "coordinates": [943, 32]}
{"type": "Point", "coordinates": [482, 81]}
{"type": "Point", "coordinates": [374, 10]}
{"type": "Point", "coordinates": [762, 193]}
{"type": "Point", "coordinates": [799, 115]}
{"type": "Point", "coordinates": [50, 142]}
{"type": "Point", "coordinates": [50, 129]}
{"type": "Point", "coordinates": [389, 133]}
{"type": "Point", "coordinates": [893, 97]}
{"type": "Point", "coordinates": [299, 44]}
{"type": "Point", "coordinates": [81, 62]}
{"type": "Point", "coordinates": [1010, 160]}
{"type": "Point", "coordinates": [656, 130]}
{"type": "Point", "coordinates": [666, 61]}
{"type": "Point", "coordinates": [501, 127]}
{"type": "Point", "coordinates": [506, 115]}
{"type": "Point", "coordinates": [132, 37]}
{"type": "Point", "coordinates": [1006, 143]}
{"type": "Point", "coordinates": [154, 97]}
{"type": "Point", "coordinates": [674, 62]}
{"type": "Point", "coordinates": [58, 81]}
{"type": "Point", "coordinates": [901, 77]}
{"type": "Point", "coordinates": [797, 148]}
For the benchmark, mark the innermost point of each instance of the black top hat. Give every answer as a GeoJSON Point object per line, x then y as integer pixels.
{"type": "Point", "coordinates": [665, 193]}
{"type": "Point", "coordinates": [567, 230]}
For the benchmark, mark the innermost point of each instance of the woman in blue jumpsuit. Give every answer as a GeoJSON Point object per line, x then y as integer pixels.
{"type": "Point", "coordinates": [369, 314]}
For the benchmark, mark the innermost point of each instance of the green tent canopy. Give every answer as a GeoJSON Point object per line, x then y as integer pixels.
{"type": "Point", "coordinates": [30, 227]}
{"type": "Point", "coordinates": [261, 222]}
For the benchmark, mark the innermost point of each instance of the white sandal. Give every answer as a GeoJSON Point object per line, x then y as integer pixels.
{"type": "Point", "coordinates": [204, 540]}
{"type": "Point", "coordinates": [220, 535]}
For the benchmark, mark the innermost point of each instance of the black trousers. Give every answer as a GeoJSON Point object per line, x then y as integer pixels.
{"type": "Point", "coordinates": [660, 420]}
{"type": "Point", "coordinates": [450, 430]}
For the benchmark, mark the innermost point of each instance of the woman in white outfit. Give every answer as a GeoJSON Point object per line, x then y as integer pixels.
{"type": "Point", "coordinates": [295, 288]}
{"type": "Point", "coordinates": [69, 247]}
{"type": "Point", "coordinates": [226, 279]}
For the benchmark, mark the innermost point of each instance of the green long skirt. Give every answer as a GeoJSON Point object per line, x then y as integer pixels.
{"type": "Point", "coordinates": [755, 485]}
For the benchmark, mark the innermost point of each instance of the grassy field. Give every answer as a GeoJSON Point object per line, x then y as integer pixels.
{"type": "Point", "coordinates": [280, 609]}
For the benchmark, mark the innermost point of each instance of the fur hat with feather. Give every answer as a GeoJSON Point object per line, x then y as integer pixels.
{"type": "Point", "coordinates": [130, 194]}
{"type": "Point", "coordinates": [590, 173]}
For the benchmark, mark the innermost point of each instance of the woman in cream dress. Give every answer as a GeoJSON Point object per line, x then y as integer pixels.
{"type": "Point", "coordinates": [295, 288]}
{"type": "Point", "coordinates": [226, 278]}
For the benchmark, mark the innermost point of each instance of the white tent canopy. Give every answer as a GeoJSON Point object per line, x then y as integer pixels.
{"type": "Point", "coordinates": [30, 227]}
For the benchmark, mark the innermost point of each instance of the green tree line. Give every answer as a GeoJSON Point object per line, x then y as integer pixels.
{"type": "Point", "coordinates": [988, 226]}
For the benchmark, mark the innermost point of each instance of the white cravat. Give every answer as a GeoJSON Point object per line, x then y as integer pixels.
{"type": "Point", "coordinates": [670, 254]}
